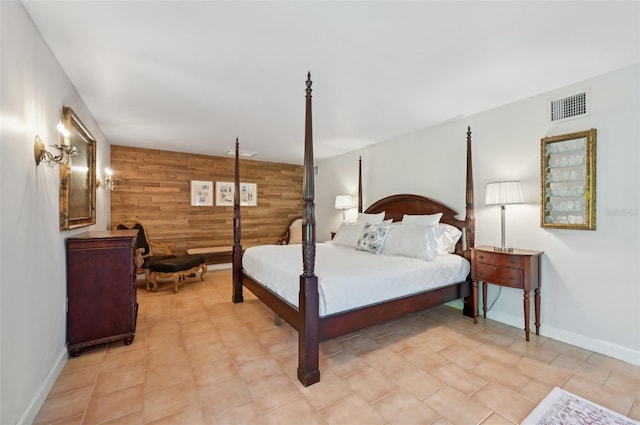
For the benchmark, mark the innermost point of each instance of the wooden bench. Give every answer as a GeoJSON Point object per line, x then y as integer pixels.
{"type": "Point", "coordinates": [214, 254]}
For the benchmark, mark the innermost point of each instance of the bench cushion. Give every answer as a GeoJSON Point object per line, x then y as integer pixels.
{"type": "Point", "coordinates": [150, 260]}
{"type": "Point", "coordinates": [177, 264]}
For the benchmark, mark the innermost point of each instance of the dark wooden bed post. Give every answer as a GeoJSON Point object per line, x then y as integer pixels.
{"type": "Point", "coordinates": [237, 247]}
{"type": "Point", "coordinates": [470, 307]}
{"type": "Point", "coordinates": [359, 184]}
{"type": "Point", "coordinates": [308, 334]}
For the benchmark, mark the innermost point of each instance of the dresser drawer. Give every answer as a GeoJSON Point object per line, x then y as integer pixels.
{"type": "Point", "coordinates": [500, 275]}
{"type": "Point", "coordinates": [498, 259]}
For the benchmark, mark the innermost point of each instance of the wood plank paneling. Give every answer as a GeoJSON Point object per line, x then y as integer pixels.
{"type": "Point", "coordinates": [154, 188]}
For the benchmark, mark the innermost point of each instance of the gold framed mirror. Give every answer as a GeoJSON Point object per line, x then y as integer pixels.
{"type": "Point", "coordinates": [568, 181]}
{"type": "Point", "coordinates": [78, 177]}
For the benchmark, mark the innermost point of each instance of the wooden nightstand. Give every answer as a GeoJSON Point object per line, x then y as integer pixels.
{"type": "Point", "coordinates": [519, 268]}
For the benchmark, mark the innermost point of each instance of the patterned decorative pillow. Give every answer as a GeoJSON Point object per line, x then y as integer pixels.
{"type": "Point", "coordinates": [372, 237]}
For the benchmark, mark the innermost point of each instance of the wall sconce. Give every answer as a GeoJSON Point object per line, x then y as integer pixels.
{"type": "Point", "coordinates": [108, 183]}
{"type": "Point", "coordinates": [501, 194]}
{"type": "Point", "coordinates": [344, 202]}
{"type": "Point", "coordinates": [65, 151]}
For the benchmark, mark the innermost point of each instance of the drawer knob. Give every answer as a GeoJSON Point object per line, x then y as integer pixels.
{"type": "Point", "coordinates": [512, 261]}
{"type": "Point", "coordinates": [481, 257]}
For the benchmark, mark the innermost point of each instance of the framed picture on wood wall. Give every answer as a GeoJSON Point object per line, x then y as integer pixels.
{"type": "Point", "coordinates": [248, 194]}
{"type": "Point", "coordinates": [201, 193]}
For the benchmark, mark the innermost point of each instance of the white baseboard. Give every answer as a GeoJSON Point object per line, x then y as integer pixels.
{"type": "Point", "coordinates": [599, 346]}
{"type": "Point", "coordinates": [39, 398]}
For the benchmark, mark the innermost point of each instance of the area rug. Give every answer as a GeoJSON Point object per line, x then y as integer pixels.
{"type": "Point", "coordinates": [561, 407]}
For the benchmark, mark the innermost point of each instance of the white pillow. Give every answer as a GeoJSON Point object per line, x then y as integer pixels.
{"type": "Point", "coordinates": [372, 237]}
{"type": "Point", "coordinates": [447, 236]}
{"type": "Point", "coordinates": [370, 218]}
{"type": "Point", "coordinates": [425, 220]}
{"type": "Point", "coordinates": [411, 240]}
{"type": "Point", "coordinates": [295, 232]}
{"type": "Point", "coordinates": [348, 234]}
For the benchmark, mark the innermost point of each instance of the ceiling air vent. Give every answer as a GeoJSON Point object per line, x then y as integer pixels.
{"type": "Point", "coordinates": [569, 107]}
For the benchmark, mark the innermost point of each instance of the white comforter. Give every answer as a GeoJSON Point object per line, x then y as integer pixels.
{"type": "Point", "coordinates": [348, 278]}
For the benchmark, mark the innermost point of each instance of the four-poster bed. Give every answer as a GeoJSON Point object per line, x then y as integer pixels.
{"type": "Point", "coordinates": [311, 314]}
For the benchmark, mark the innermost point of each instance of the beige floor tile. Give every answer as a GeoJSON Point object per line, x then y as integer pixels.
{"type": "Point", "coordinates": [581, 368]}
{"type": "Point", "coordinates": [634, 413]}
{"type": "Point", "coordinates": [259, 368]}
{"type": "Point", "coordinates": [107, 407]}
{"type": "Point", "coordinates": [384, 361]}
{"type": "Point", "coordinates": [618, 401]}
{"type": "Point", "coordinates": [401, 407]}
{"type": "Point", "coordinates": [134, 418]}
{"type": "Point", "coordinates": [284, 350]}
{"type": "Point", "coordinates": [121, 378]}
{"type": "Point", "coordinates": [274, 391]}
{"type": "Point", "coordinates": [168, 376]}
{"type": "Point", "coordinates": [509, 377]}
{"type": "Point", "coordinates": [349, 409]}
{"type": "Point", "coordinates": [75, 380]}
{"type": "Point", "coordinates": [458, 377]}
{"type": "Point", "coordinates": [64, 406]}
{"type": "Point", "coordinates": [459, 354]}
{"type": "Point", "coordinates": [293, 413]}
{"type": "Point", "coordinates": [612, 364]}
{"type": "Point", "coordinates": [115, 358]}
{"type": "Point", "coordinates": [345, 364]}
{"type": "Point", "coordinates": [215, 398]}
{"type": "Point", "coordinates": [328, 390]}
{"type": "Point", "coordinates": [448, 401]}
{"type": "Point", "coordinates": [370, 384]}
{"type": "Point", "coordinates": [417, 382]}
{"type": "Point", "coordinates": [535, 390]}
{"type": "Point", "coordinates": [189, 416]}
{"type": "Point", "coordinates": [567, 349]}
{"type": "Point", "coordinates": [504, 401]}
{"type": "Point", "coordinates": [245, 414]}
{"type": "Point", "coordinates": [550, 375]}
{"type": "Point", "coordinates": [190, 349]}
{"type": "Point", "coordinates": [623, 382]}
{"type": "Point", "coordinates": [215, 371]}
{"type": "Point", "coordinates": [169, 401]}
{"type": "Point", "coordinates": [424, 358]}
{"type": "Point", "coordinates": [496, 419]}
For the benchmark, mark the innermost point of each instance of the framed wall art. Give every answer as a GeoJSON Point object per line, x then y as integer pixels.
{"type": "Point", "coordinates": [568, 181]}
{"type": "Point", "coordinates": [201, 193]}
{"type": "Point", "coordinates": [248, 194]}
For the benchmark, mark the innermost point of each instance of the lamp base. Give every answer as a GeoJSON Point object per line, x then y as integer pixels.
{"type": "Point", "coordinates": [502, 249]}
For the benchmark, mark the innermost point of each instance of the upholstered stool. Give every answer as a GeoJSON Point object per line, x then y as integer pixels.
{"type": "Point", "coordinates": [177, 269]}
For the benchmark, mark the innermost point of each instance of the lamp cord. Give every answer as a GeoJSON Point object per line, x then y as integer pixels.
{"type": "Point", "coordinates": [496, 299]}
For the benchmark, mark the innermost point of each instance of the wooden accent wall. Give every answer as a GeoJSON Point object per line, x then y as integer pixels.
{"type": "Point", "coordinates": [153, 187]}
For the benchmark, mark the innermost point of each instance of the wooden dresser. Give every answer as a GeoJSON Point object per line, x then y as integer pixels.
{"type": "Point", "coordinates": [101, 288]}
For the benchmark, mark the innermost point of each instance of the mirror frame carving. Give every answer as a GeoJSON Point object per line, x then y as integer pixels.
{"type": "Point", "coordinates": [77, 195]}
{"type": "Point", "coordinates": [568, 181]}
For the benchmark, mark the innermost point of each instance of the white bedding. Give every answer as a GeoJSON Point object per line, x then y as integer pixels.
{"type": "Point", "coordinates": [348, 278]}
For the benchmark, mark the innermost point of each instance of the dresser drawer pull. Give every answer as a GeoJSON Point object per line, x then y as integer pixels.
{"type": "Point", "coordinates": [512, 261]}
{"type": "Point", "coordinates": [481, 257]}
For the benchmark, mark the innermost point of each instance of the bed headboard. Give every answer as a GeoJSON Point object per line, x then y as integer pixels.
{"type": "Point", "coordinates": [396, 206]}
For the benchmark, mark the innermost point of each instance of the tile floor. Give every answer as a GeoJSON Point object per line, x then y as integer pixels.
{"type": "Point", "coordinates": [197, 358]}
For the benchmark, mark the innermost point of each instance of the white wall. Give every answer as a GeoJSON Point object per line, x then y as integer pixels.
{"type": "Point", "coordinates": [590, 287]}
{"type": "Point", "coordinates": [32, 252]}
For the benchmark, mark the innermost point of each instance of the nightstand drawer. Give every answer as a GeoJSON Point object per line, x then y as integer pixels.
{"type": "Point", "coordinates": [499, 259]}
{"type": "Point", "coordinates": [499, 275]}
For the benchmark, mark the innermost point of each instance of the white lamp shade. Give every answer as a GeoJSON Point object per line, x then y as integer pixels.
{"type": "Point", "coordinates": [344, 202]}
{"type": "Point", "coordinates": [503, 193]}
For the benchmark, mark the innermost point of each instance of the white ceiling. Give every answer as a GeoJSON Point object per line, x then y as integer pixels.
{"type": "Point", "coordinates": [191, 76]}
